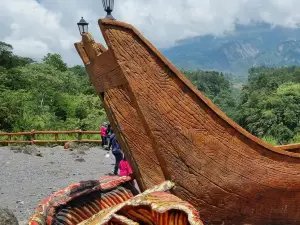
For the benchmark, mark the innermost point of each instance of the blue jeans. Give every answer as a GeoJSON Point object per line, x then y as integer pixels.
{"type": "Point", "coordinates": [118, 157]}
{"type": "Point", "coordinates": [104, 140]}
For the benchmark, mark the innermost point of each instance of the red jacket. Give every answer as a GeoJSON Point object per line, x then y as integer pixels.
{"type": "Point", "coordinates": [103, 131]}
{"type": "Point", "coordinates": [125, 169]}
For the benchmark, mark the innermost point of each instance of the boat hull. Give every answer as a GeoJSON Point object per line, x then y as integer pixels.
{"type": "Point", "coordinates": [226, 173]}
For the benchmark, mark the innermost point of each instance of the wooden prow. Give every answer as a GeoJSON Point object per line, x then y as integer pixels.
{"type": "Point", "coordinates": [107, 78]}
{"type": "Point", "coordinates": [228, 174]}
{"type": "Point", "coordinates": [291, 147]}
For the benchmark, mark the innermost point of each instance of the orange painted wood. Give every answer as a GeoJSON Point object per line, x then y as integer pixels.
{"type": "Point", "coordinates": [49, 141]}
{"type": "Point", "coordinates": [290, 147]}
{"type": "Point", "coordinates": [228, 174]}
{"type": "Point", "coordinates": [64, 141]}
{"type": "Point", "coordinates": [112, 88]}
{"type": "Point", "coordinates": [56, 137]}
{"type": "Point", "coordinates": [51, 132]}
{"type": "Point", "coordinates": [15, 134]}
{"type": "Point", "coordinates": [56, 133]}
{"type": "Point", "coordinates": [110, 73]}
{"type": "Point", "coordinates": [14, 142]}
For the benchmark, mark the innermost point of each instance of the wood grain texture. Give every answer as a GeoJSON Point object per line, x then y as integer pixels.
{"type": "Point", "coordinates": [226, 173]}
{"type": "Point", "coordinates": [110, 84]}
{"type": "Point", "coordinates": [291, 147]}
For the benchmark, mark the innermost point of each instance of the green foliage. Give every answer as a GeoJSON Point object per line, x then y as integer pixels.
{"type": "Point", "coordinates": [46, 96]}
{"type": "Point", "coordinates": [270, 140]}
{"type": "Point", "coordinates": [296, 138]}
{"type": "Point", "coordinates": [51, 96]}
{"type": "Point", "coordinates": [55, 61]}
{"type": "Point", "coordinates": [268, 106]}
{"type": "Point", "coordinates": [8, 60]}
{"type": "Point", "coordinates": [79, 70]}
{"type": "Point", "coordinates": [215, 86]}
{"type": "Point", "coordinates": [270, 103]}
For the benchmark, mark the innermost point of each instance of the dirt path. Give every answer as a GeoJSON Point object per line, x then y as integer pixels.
{"type": "Point", "coordinates": [27, 179]}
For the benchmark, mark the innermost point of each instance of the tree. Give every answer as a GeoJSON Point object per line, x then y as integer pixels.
{"type": "Point", "coordinates": [56, 61]}
{"type": "Point", "coordinates": [79, 70]}
{"type": "Point", "coordinates": [47, 96]}
{"type": "Point", "coordinates": [270, 103]}
{"type": "Point", "coordinates": [216, 87]}
{"type": "Point", "coordinates": [8, 60]}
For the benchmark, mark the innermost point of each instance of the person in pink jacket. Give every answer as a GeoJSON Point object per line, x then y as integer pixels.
{"type": "Point", "coordinates": [103, 134]}
{"type": "Point", "coordinates": [125, 170]}
{"type": "Point", "coordinates": [124, 167]}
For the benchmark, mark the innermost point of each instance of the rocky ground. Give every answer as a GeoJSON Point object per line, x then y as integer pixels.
{"type": "Point", "coordinates": [29, 174]}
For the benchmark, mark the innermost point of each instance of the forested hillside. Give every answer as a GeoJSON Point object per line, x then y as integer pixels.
{"type": "Point", "coordinates": [217, 87]}
{"type": "Point", "coordinates": [268, 106]}
{"type": "Point", "coordinates": [48, 95]}
{"type": "Point", "coordinates": [45, 95]}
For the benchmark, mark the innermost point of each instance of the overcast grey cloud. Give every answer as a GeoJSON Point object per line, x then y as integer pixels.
{"type": "Point", "coordinates": [35, 28]}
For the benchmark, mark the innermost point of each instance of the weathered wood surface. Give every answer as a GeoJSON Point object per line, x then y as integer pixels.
{"type": "Point", "coordinates": [226, 173]}
{"type": "Point", "coordinates": [106, 77]}
{"type": "Point", "coordinates": [290, 147]}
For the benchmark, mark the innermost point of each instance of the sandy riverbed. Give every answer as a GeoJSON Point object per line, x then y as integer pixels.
{"type": "Point", "coordinates": [27, 179]}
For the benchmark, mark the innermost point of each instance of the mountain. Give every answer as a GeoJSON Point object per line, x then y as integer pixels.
{"type": "Point", "coordinates": [285, 54]}
{"type": "Point", "coordinates": [250, 45]}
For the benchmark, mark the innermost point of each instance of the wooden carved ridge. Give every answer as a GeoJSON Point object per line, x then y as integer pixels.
{"type": "Point", "coordinates": [110, 83]}
{"type": "Point", "coordinates": [228, 174]}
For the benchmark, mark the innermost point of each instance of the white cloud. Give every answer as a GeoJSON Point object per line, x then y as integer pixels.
{"type": "Point", "coordinates": [28, 47]}
{"type": "Point", "coordinates": [35, 28]}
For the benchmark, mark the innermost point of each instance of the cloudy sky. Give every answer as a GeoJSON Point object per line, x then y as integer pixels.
{"type": "Point", "coordinates": [36, 27]}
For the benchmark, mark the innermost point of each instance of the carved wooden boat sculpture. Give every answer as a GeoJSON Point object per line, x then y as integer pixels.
{"type": "Point", "coordinates": [225, 172]}
{"type": "Point", "coordinates": [104, 72]}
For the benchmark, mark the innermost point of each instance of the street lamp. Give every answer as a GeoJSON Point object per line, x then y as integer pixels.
{"type": "Point", "coordinates": [82, 26]}
{"type": "Point", "coordinates": [108, 6]}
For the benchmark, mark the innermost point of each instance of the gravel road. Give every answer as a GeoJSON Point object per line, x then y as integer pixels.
{"type": "Point", "coordinates": [27, 179]}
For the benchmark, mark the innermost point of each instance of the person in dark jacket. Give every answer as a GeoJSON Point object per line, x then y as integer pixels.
{"type": "Point", "coordinates": [108, 133]}
{"type": "Point", "coordinates": [116, 151]}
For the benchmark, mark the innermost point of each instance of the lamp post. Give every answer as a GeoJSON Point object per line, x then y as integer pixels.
{"type": "Point", "coordinates": [108, 6]}
{"type": "Point", "coordinates": [82, 26]}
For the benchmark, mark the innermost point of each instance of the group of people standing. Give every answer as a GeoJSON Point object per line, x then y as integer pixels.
{"type": "Point", "coordinates": [109, 139]}
{"type": "Point", "coordinates": [105, 131]}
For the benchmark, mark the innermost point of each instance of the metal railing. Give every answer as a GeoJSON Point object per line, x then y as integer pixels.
{"type": "Point", "coordinates": [31, 137]}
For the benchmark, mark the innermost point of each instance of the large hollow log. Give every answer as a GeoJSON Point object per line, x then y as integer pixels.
{"type": "Point", "coordinates": [225, 172]}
